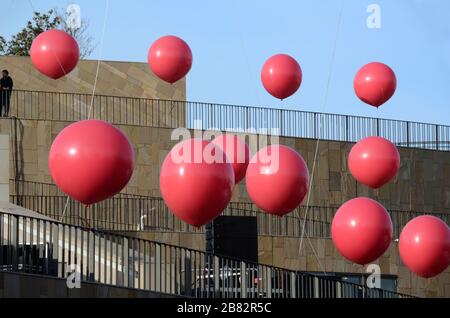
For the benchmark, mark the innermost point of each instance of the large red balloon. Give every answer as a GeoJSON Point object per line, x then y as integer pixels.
{"type": "Point", "coordinates": [54, 53]}
{"type": "Point", "coordinates": [237, 153]}
{"type": "Point", "coordinates": [374, 161]}
{"type": "Point", "coordinates": [361, 230]}
{"type": "Point", "coordinates": [196, 181]}
{"type": "Point", "coordinates": [170, 58]}
{"type": "Point", "coordinates": [281, 76]}
{"type": "Point", "coordinates": [91, 160]}
{"type": "Point", "coordinates": [424, 245]}
{"type": "Point", "coordinates": [375, 83]}
{"type": "Point", "coordinates": [277, 179]}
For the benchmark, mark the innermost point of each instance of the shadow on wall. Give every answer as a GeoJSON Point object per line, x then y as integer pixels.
{"type": "Point", "coordinates": [17, 130]}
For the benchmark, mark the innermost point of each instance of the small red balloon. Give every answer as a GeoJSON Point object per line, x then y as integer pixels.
{"type": "Point", "coordinates": [237, 152]}
{"type": "Point", "coordinates": [170, 58]}
{"type": "Point", "coordinates": [277, 179]}
{"type": "Point", "coordinates": [375, 83]}
{"type": "Point", "coordinates": [424, 246]}
{"type": "Point", "coordinates": [374, 161]}
{"type": "Point", "coordinates": [281, 76]}
{"type": "Point", "coordinates": [196, 181]}
{"type": "Point", "coordinates": [91, 160]}
{"type": "Point", "coordinates": [361, 230]}
{"type": "Point", "coordinates": [54, 53]}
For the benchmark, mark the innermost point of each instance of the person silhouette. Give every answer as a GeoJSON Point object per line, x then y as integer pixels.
{"type": "Point", "coordinates": [6, 86]}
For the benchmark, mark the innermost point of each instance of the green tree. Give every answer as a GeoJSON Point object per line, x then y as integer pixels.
{"type": "Point", "coordinates": [2, 45]}
{"type": "Point", "coordinates": [20, 43]}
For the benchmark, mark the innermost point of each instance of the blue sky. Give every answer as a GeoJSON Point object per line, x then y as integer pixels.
{"type": "Point", "coordinates": [231, 40]}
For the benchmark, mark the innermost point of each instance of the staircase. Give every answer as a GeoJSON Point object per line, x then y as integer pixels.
{"type": "Point", "coordinates": [49, 247]}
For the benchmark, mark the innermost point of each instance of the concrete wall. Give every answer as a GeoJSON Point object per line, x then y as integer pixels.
{"type": "Point", "coordinates": [114, 78]}
{"type": "Point", "coordinates": [20, 285]}
{"type": "Point", "coordinates": [422, 184]}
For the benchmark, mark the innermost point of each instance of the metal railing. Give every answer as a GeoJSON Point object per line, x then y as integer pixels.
{"type": "Point", "coordinates": [126, 212]}
{"type": "Point", "coordinates": [173, 114]}
{"type": "Point", "coordinates": [44, 247]}
{"type": "Point", "coordinates": [118, 110]}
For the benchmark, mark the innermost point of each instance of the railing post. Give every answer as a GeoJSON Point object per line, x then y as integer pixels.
{"type": "Point", "coordinates": [378, 127]}
{"type": "Point", "coordinates": [281, 123]}
{"type": "Point", "coordinates": [293, 285]}
{"type": "Point", "coordinates": [316, 287]}
{"type": "Point", "coordinates": [243, 280]}
{"type": "Point", "coordinates": [407, 134]}
{"type": "Point", "coordinates": [187, 273]}
{"type": "Point", "coordinates": [315, 125]}
{"type": "Point", "coordinates": [269, 282]}
{"type": "Point", "coordinates": [437, 137]}
{"type": "Point", "coordinates": [346, 129]}
{"type": "Point", "coordinates": [338, 289]}
{"type": "Point", "coordinates": [216, 275]}
{"type": "Point", "coordinates": [247, 119]}
{"type": "Point", "coordinates": [14, 226]}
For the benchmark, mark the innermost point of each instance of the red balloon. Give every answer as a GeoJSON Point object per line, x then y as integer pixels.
{"type": "Point", "coordinates": [196, 181]}
{"type": "Point", "coordinates": [424, 246]}
{"type": "Point", "coordinates": [54, 53]}
{"type": "Point", "coordinates": [374, 161]}
{"type": "Point", "coordinates": [277, 179]}
{"type": "Point", "coordinates": [237, 152]}
{"type": "Point", "coordinates": [375, 83]}
{"type": "Point", "coordinates": [361, 230]}
{"type": "Point", "coordinates": [281, 76]}
{"type": "Point", "coordinates": [91, 160]}
{"type": "Point", "coordinates": [170, 58]}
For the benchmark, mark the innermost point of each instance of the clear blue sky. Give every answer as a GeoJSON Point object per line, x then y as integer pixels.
{"type": "Point", "coordinates": [231, 39]}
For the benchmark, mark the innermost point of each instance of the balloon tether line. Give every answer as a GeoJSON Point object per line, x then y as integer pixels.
{"type": "Point", "coordinates": [65, 208]}
{"type": "Point", "coordinates": [99, 58]}
{"type": "Point", "coordinates": [321, 126]}
{"type": "Point", "coordinates": [235, 17]}
{"type": "Point", "coordinates": [95, 84]}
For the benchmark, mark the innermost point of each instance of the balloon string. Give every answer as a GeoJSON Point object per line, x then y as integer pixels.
{"type": "Point", "coordinates": [94, 88]}
{"type": "Point", "coordinates": [68, 198]}
{"type": "Point", "coordinates": [327, 89]}
{"type": "Point", "coordinates": [65, 208]}
{"type": "Point", "coordinates": [105, 19]}
{"type": "Point", "coordinates": [237, 20]}
{"type": "Point", "coordinates": [31, 5]}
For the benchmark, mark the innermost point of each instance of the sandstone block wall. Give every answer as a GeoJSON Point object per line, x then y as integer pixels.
{"type": "Point", "coordinates": [115, 78]}
{"type": "Point", "coordinates": [422, 184]}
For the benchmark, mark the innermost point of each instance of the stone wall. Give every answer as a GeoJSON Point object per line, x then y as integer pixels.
{"type": "Point", "coordinates": [114, 78]}
{"type": "Point", "coordinates": [423, 183]}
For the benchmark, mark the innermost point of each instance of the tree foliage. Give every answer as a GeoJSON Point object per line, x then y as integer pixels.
{"type": "Point", "coordinates": [20, 43]}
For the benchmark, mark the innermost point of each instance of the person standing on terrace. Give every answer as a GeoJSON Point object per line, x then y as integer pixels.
{"type": "Point", "coordinates": [6, 86]}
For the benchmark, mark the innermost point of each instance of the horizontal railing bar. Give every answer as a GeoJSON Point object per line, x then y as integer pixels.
{"type": "Point", "coordinates": [164, 113]}
{"type": "Point", "coordinates": [233, 105]}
